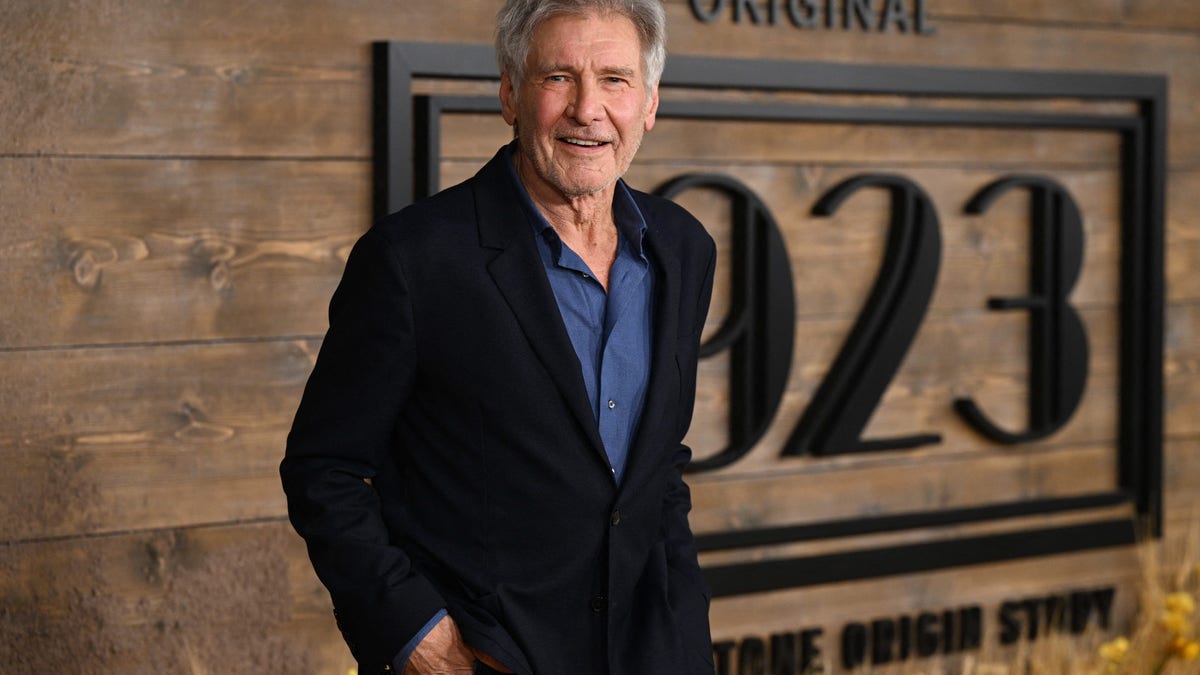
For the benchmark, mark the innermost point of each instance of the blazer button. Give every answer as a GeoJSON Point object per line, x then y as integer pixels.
{"type": "Point", "coordinates": [616, 517]}
{"type": "Point", "coordinates": [599, 603]}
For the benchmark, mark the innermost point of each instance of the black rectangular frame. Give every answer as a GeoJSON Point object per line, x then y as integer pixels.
{"type": "Point", "coordinates": [407, 157]}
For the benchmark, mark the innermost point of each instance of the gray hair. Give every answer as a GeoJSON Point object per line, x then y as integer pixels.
{"type": "Point", "coordinates": [517, 20]}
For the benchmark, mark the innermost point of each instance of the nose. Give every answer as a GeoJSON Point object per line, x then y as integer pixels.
{"type": "Point", "coordinates": [586, 107]}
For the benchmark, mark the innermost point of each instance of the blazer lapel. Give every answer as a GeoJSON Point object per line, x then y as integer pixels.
{"type": "Point", "coordinates": [517, 272]}
{"type": "Point", "coordinates": [657, 414]}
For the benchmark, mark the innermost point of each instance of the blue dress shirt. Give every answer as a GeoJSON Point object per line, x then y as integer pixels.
{"type": "Point", "coordinates": [610, 331]}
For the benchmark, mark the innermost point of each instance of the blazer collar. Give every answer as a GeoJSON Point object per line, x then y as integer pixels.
{"type": "Point", "coordinates": [657, 427]}
{"type": "Point", "coordinates": [517, 271]}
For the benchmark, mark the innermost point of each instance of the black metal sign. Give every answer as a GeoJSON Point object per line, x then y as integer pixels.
{"type": "Point", "coordinates": [902, 16]}
{"type": "Point", "coordinates": [758, 331]}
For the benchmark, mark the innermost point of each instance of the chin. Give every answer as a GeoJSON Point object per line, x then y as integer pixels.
{"type": "Point", "coordinates": [584, 189]}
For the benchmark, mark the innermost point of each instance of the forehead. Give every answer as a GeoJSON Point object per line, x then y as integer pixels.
{"type": "Point", "coordinates": [607, 40]}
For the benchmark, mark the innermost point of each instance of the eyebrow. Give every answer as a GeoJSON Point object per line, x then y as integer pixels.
{"type": "Point", "coordinates": [626, 72]}
{"type": "Point", "coordinates": [613, 70]}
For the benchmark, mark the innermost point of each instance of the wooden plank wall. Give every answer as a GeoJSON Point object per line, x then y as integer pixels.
{"type": "Point", "coordinates": [179, 187]}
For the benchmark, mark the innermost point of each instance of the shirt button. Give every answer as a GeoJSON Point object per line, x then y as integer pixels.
{"type": "Point", "coordinates": [611, 404]}
{"type": "Point", "coordinates": [616, 517]}
{"type": "Point", "coordinates": [599, 603]}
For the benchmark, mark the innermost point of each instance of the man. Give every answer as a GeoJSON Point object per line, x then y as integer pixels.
{"type": "Point", "coordinates": [486, 464]}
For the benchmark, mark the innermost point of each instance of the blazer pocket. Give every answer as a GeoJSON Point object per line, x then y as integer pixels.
{"type": "Point", "coordinates": [685, 363]}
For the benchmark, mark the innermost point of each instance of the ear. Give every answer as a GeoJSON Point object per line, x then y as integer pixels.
{"type": "Point", "coordinates": [508, 100]}
{"type": "Point", "coordinates": [651, 109]}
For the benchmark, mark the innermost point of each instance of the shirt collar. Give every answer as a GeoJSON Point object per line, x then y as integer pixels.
{"type": "Point", "coordinates": [631, 225]}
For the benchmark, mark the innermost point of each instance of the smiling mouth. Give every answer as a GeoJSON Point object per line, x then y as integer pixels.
{"type": "Point", "coordinates": [582, 142]}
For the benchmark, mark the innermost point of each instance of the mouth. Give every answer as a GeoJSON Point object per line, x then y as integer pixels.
{"type": "Point", "coordinates": [581, 142]}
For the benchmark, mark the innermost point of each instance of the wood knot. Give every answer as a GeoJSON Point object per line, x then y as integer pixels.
{"type": "Point", "coordinates": [88, 257]}
{"type": "Point", "coordinates": [88, 260]}
{"type": "Point", "coordinates": [197, 428]}
{"type": "Point", "coordinates": [219, 276]}
{"type": "Point", "coordinates": [216, 254]}
{"type": "Point", "coordinates": [236, 75]}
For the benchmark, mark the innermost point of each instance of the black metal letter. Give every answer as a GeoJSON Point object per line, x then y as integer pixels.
{"type": "Point", "coordinates": [854, 645]}
{"type": "Point", "coordinates": [751, 10]}
{"type": "Point", "coordinates": [803, 13]}
{"type": "Point", "coordinates": [762, 316]}
{"type": "Point", "coordinates": [923, 25]}
{"type": "Point", "coordinates": [884, 330]}
{"type": "Point", "coordinates": [860, 9]}
{"type": "Point", "coordinates": [708, 15]}
{"type": "Point", "coordinates": [1058, 346]}
{"type": "Point", "coordinates": [894, 12]}
{"type": "Point", "coordinates": [752, 657]}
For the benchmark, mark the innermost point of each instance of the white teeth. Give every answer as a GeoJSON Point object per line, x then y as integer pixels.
{"type": "Point", "coordinates": [583, 142]}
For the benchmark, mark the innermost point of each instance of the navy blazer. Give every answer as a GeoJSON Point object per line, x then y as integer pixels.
{"type": "Point", "coordinates": [445, 454]}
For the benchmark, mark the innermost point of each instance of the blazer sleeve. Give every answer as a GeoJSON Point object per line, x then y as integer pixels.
{"type": "Point", "coordinates": [341, 435]}
{"type": "Point", "coordinates": [688, 592]}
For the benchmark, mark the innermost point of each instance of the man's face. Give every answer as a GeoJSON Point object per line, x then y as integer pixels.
{"type": "Point", "coordinates": [583, 106]}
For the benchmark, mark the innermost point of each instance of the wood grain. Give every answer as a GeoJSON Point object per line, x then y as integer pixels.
{"type": "Point", "coordinates": [970, 44]}
{"type": "Point", "coordinates": [722, 143]}
{"type": "Point", "coordinates": [97, 273]}
{"type": "Point", "coordinates": [160, 89]}
{"type": "Point", "coordinates": [977, 355]}
{"type": "Point", "coordinates": [179, 186]}
{"type": "Point", "coordinates": [831, 607]}
{"type": "Point", "coordinates": [798, 492]}
{"type": "Point", "coordinates": [865, 543]}
{"type": "Point", "coordinates": [103, 440]}
{"type": "Point", "coordinates": [222, 599]}
{"type": "Point", "coordinates": [96, 251]}
{"type": "Point", "coordinates": [230, 599]}
{"type": "Point", "coordinates": [1165, 15]}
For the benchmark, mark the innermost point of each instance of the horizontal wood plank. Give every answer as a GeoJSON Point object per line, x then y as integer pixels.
{"type": "Point", "coordinates": [103, 440]}
{"type": "Point", "coordinates": [243, 597]}
{"type": "Point", "coordinates": [1150, 14]}
{"type": "Point", "coordinates": [161, 89]}
{"type": "Point", "coordinates": [1182, 370]}
{"type": "Point", "coordinates": [1170, 15]}
{"type": "Point", "coordinates": [832, 606]}
{"type": "Point", "coordinates": [1181, 457]}
{"type": "Point", "coordinates": [109, 439]}
{"type": "Point", "coordinates": [803, 492]}
{"type": "Point", "coordinates": [221, 78]}
{"type": "Point", "coordinates": [723, 142]}
{"type": "Point", "coordinates": [865, 543]}
{"type": "Point", "coordinates": [976, 44]}
{"type": "Point", "coordinates": [204, 256]}
{"type": "Point", "coordinates": [99, 251]}
{"type": "Point", "coordinates": [233, 599]}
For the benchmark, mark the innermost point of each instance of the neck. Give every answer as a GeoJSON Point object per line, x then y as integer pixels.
{"type": "Point", "coordinates": [585, 220]}
{"type": "Point", "coordinates": [582, 221]}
